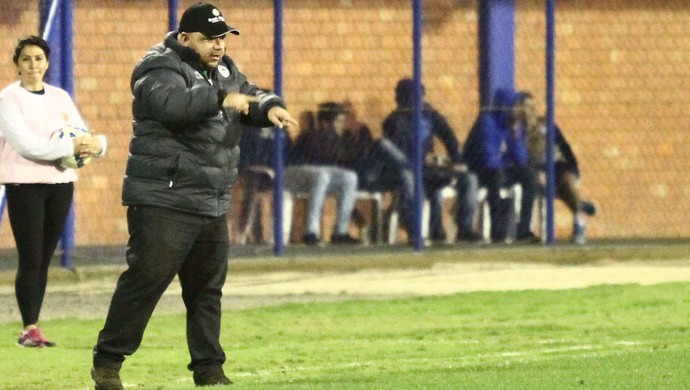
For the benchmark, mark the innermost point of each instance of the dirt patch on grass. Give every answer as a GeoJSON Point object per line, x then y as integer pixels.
{"type": "Point", "coordinates": [260, 282]}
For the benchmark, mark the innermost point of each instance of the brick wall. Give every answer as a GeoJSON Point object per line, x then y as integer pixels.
{"type": "Point", "coordinates": [622, 87]}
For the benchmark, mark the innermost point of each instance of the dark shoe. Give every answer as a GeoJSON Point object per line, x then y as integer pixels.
{"type": "Point", "coordinates": [344, 239]}
{"type": "Point", "coordinates": [210, 377]}
{"type": "Point", "coordinates": [106, 378]}
{"type": "Point", "coordinates": [468, 237]}
{"type": "Point", "coordinates": [438, 236]}
{"type": "Point", "coordinates": [310, 239]}
{"type": "Point", "coordinates": [527, 238]}
{"type": "Point", "coordinates": [588, 208]}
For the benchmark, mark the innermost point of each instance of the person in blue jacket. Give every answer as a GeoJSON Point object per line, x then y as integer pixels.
{"type": "Point", "coordinates": [496, 150]}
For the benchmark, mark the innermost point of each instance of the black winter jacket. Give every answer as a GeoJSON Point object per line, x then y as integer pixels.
{"type": "Point", "coordinates": [184, 152]}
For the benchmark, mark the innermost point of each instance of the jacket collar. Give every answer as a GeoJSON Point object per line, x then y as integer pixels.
{"type": "Point", "coordinates": [186, 54]}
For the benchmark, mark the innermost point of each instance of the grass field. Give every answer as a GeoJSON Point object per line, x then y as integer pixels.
{"type": "Point", "coordinates": [603, 337]}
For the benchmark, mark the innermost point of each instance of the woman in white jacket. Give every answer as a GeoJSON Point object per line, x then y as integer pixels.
{"type": "Point", "coordinates": [38, 191]}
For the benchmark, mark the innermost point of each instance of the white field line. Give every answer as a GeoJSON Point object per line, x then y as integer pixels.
{"type": "Point", "coordinates": [540, 354]}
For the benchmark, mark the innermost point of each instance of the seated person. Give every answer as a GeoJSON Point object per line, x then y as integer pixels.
{"type": "Point", "coordinates": [349, 144]}
{"type": "Point", "coordinates": [398, 131]}
{"type": "Point", "coordinates": [257, 151]}
{"type": "Point", "coordinates": [566, 171]}
{"type": "Point", "coordinates": [496, 150]}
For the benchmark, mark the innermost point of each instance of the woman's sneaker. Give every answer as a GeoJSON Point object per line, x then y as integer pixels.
{"type": "Point", "coordinates": [32, 336]}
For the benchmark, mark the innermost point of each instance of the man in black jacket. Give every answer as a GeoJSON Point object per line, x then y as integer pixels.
{"type": "Point", "coordinates": [189, 102]}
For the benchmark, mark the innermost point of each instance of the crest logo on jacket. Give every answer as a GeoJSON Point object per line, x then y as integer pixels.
{"type": "Point", "coordinates": [198, 75]}
{"type": "Point", "coordinates": [224, 71]}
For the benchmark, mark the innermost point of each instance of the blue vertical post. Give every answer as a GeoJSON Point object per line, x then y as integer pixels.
{"type": "Point", "coordinates": [172, 14]}
{"type": "Point", "coordinates": [418, 17]}
{"type": "Point", "coordinates": [67, 241]}
{"type": "Point", "coordinates": [66, 38]}
{"type": "Point", "coordinates": [550, 114]}
{"type": "Point", "coordinates": [496, 48]}
{"type": "Point", "coordinates": [279, 168]}
{"type": "Point", "coordinates": [51, 31]}
{"type": "Point", "coordinates": [56, 28]}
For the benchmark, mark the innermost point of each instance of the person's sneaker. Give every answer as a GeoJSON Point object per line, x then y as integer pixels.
{"type": "Point", "coordinates": [32, 336]}
{"type": "Point", "coordinates": [344, 239]}
{"type": "Point", "coordinates": [579, 237]}
{"type": "Point", "coordinates": [310, 239]}
{"type": "Point", "coordinates": [210, 377]}
{"type": "Point", "coordinates": [588, 208]}
{"type": "Point", "coordinates": [106, 378]}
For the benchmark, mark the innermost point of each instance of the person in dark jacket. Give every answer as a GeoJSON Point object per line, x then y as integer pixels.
{"type": "Point", "coordinates": [339, 140]}
{"type": "Point", "coordinates": [496, 150]}
{"type": "Point", "coordinates": [320, 148]}
{"type": "Point", "coordinates": [398, 129]}
{"type": "Point", "coordinates": [189, 99]}
{"type": "Point", "coordinates": [352, 146]}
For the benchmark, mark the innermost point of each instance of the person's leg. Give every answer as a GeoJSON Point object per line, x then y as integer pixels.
{"type": "Point", "coordinates": [567, 189]}
{"type": "Point", "coordinates": [58, 207]}
{"type": "Point", "coordinates": [498, 208]}
{"type": "Point", "coordinates": [435, 179]}
{"type": "Point", "coordinates": [527, 179]}
{"type": "Point", "coordinates": [256, 180]}
{"type": "Point", "coordinates": [406, 203]}
{"type": "Point", "coordinates": [315, 181]}
{"type": "Point", "coordinates": [37, 214]}
{"type": "Point", "coordinates": [466, 187]}
{"type": "Point", "coordinates": [436, 230]}
{"type": "Point", "coordinates": [202, 277]}
{"type": "Point", "coordinates": [392, 174]}
{"type": "Point", "coordinates": [159, 242]}
{"type": "Point", "coordinates": [343, 184]}
{"type": "Point", "coordinates": [247, 202]}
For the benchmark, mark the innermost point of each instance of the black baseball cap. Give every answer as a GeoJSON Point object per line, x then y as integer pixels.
{"type": "Point", "coordinates": [206, 19]}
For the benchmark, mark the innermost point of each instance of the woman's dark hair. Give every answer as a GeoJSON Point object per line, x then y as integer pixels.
{"type": "Point", "coordinates": [31, 40]}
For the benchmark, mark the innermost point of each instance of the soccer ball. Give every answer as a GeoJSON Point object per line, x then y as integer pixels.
{"type": "Point", "coordinates": [76, 161]}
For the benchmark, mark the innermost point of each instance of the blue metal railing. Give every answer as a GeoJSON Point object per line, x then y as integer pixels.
{"type": "Point", "coordinates": [57, 29]}
{"type": "Point", "coordinates": [56, 18]}
{"type": "Point", "coordinates": [550, 114]}
{"type": "Point", "coordinates": [417, 24]}
{"type": "Point", "coordinates": [279, 168]}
